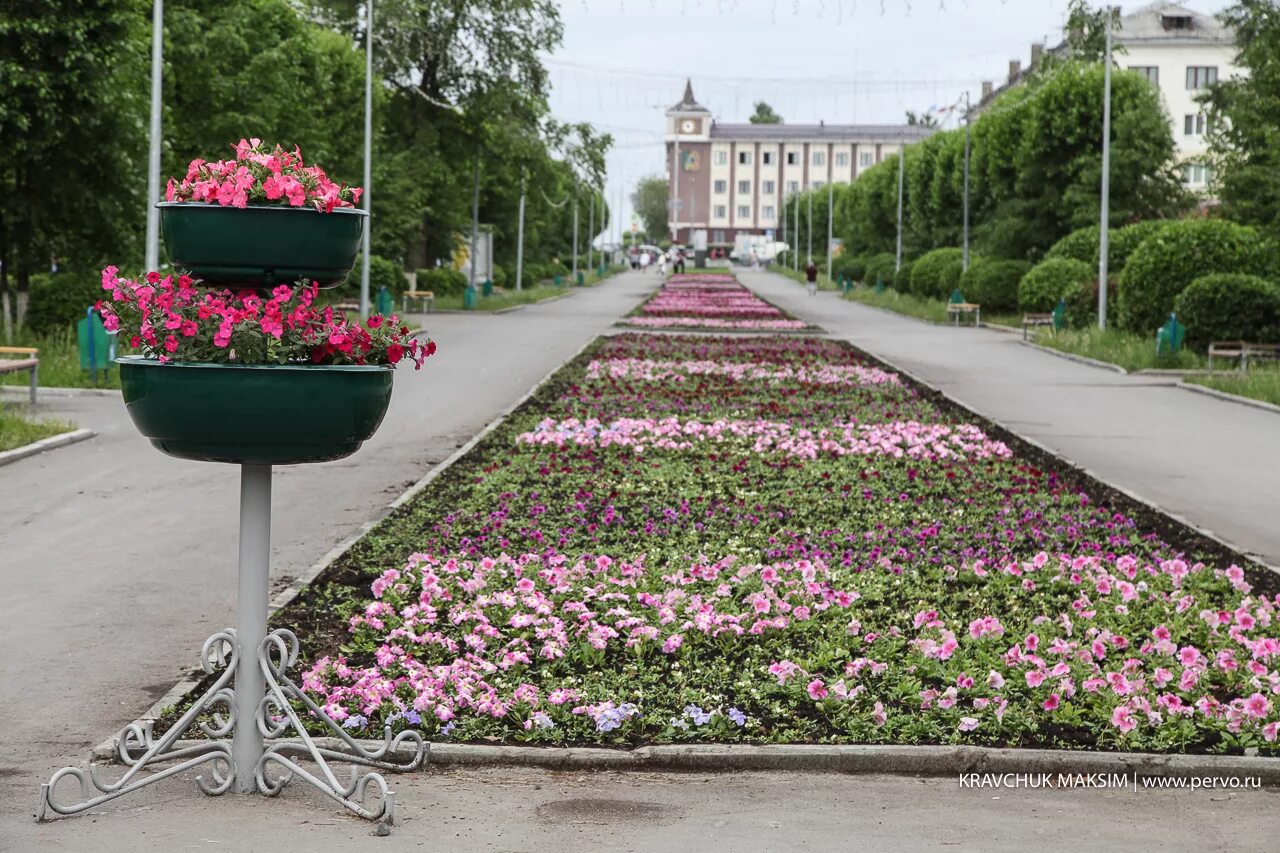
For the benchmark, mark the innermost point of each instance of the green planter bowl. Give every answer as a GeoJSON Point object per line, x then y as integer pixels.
{"type": "Point", "coordinates": [267, 414]}
{"type": "Point", "coordinates": [261, 246]}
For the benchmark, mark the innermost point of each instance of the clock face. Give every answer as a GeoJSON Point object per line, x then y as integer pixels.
{"type": "Point", "coordinates": [687, 125]}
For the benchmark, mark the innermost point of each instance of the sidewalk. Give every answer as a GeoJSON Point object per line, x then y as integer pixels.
{"type": "Point", "coordinates": [1211, 462]}
{"type": "Point", "coordinates": [117, 561]}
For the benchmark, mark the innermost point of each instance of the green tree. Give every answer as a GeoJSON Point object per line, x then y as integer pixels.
{"type": "Point", "coordinates": [72, 112]}
{"type": "Point", "coordinates": [922, 119]}
{"type": "Point", "coordinates": [649, 201]}
{"type": "Point", "coordinates": [764, 114]}
{"type": "Point", "coordinates": [1244, 115]}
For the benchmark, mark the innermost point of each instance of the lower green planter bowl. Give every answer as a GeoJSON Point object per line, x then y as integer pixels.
{"type": "Point", "coordinates": [261, 246]}
{"type": "Point", "coordinates": [265, 414]}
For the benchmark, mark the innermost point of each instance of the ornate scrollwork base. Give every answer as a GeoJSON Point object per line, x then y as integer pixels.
{"type": "Point", "coordinates": [215, 716]}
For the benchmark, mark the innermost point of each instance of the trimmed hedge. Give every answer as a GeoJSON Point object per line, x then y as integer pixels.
{"type": "Point", "coordinates": [993, 283]}
{"type": "Point", "coordinates": [881, 267]}
{"type": "Point", "coordinates": [902, 278]}
{"type": "Point", "coordinates": [58, 300]}
{"type": "Point", "coordinates": [936, 274]}
{"type": "Point", "coordinates": [442, 281]}
{"type": "Point", "coordinates": [1230, 306]}
{"type": "Point", "coordinates": [846, 265]}
{"type": "Point", "coordinates": [1080, 245]}
{"type": "Point", "coordinates": [1059, 278]}
{"type": "Point", "coordinates": [1169, 260]}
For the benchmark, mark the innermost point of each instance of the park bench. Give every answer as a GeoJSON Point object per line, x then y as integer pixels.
{"type": "Point", "coordinates": [956, 310]}
{"type": "Point", "coordinates": [426, 300]}
{"type": "Point", "coordinates": [1241, 350]}
{"type": "Point", "coordinates": [27, 360]}
{"type": "Point", "coordinates": [1031, 321]}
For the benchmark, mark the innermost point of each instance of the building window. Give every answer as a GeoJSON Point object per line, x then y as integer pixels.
{"type": "Point", "coordinates": [721, 211]}
{"type": "Point", "coordinates": [719, 186]}
{"type": "Point", "coordinates": [766, 212]}
{"type": "Point", "coordinates": [717, 236]}
{"type": "Point", "coordinates": [1197, 174]}
{"type": "Point", "coordinates": [842, 158]}
{"type": "Point", "coordinates": [1151, 72]}
{"type": "Point", "coordinates": [1193, 125]}
{"type": "Point", "coordinates": [817, 185]}
{"type": "Point", "coordinates": [744, 212]}
{"type": "Point", "coordinates": [819, 158]}
{"type": "Point", "coordinates": [766, 187]}
{"type": "Point", "coordinates": [744, 187]}
{"type": "Point", "coordinates": [722, 158]}
{"type": "Point", "coordinates": [864, 159]}
{"type": "Point", "coordinates": [793, 158]}
{"type": "Point", "coordinates": [766, 157]}
{"type": "Point", "coordinates": [744, 158]}
{"type": "Point", "coordinates": [793, 186]}
{"type": "Point", "coordinates": [1201, 76]}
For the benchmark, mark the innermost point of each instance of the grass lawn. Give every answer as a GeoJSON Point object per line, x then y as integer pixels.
{"type": "Point", "coordinates": [933, 310]}
{"type": "Point", "coordinates": [1130, 351]}
{"type": "Point", "coordinates": [1260, 383]}
{"type": "Point", "coordinates": [824, 283]}
{"type": "Point", "coordinates": [507, 298]}
{"type": "Point", "coordinates": [774, 540]}
{"type": "Point", "coordinates": [16, 430]}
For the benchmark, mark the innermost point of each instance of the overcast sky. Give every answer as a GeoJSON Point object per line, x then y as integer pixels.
{"type": "Point", "coordinates": [623, 62]}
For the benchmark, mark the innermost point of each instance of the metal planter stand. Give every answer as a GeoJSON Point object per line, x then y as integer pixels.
{"type": "Point", "coordinates": [247, 748]}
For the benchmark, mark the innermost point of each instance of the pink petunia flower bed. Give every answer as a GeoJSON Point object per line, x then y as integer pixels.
{"type": "Point", "coordinates": [710, 301]}
{"type": "Point", "coordinates": [771, 540]}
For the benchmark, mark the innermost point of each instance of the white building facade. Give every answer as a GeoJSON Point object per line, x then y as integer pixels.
{"type": "Point", "coordinates": [735, 178]}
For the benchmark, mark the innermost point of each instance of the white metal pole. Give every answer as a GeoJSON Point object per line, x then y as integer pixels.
{"type": "Point", "coordinates": [902, 169]}
{"type": "Point", "coordinates": [153, 158]}
{"type": "Point", "coordinates": [575, 236]}
{"type": "Point", "coordinates": [675, 201]}
{"type": "Point", "coordinates": [251, 620]}
{"type": "Point", "coordinates": [475, 220]}
{"type": "Point", "coordinates": [520, 238]}
{"type": "Point", "coordinates": [591, 227]}
{"type": "Point", "coordinates": [809, 225]}
{"type": "Point", "coordinates": [368, 158]}
{"type": "Point", "coordinates": [795, 256]}
{"type": "Point", "coordinates": [965, 264]}
{"type": "Point", "coordinates": [831, 189]}
{"type": "Point", "coordinates": [1103, 236]}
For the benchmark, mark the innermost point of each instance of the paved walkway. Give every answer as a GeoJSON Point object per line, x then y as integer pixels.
{"type": "Point", "coordinates": [116, 561]}
{"type": "Point", "coordinates": [1211, 462]}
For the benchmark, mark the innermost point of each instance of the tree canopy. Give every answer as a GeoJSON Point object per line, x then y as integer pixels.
{"type": "Point", "coordinates": [764, 114]}
{"type": "Point", "coordinates": [649, 201]}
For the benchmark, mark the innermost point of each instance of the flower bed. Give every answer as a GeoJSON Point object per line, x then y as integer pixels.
{"type": "Point", "coordinates": [901, 578]}
{"type": "Point", "coordinates": [711, 301]}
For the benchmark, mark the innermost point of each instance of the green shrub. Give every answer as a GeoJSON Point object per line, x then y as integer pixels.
{"type": "Point", "coordinates": [443, 281]}
{"type": "Point", "coordinates": [1080, 245]}
{"type": "Point", "coordinates": [936, 274]}
{"type": "Point", "coordinates": [850, 266]}
{"type": "Point", "coordinates": [1059, 278]}
{"type": "Point", "coordinates": [1123, 242]}
{"type": "Point", "coordinates": [384, 272]}
{"type": "Point", "coordinates": [1169, 260]}
{"type": "Point", "coordinates": [1230, 306]}
{"type": "Point", "coordinates": [499, 277]}
{"type": "Point", "coordinates": [902, 278]}
{"type": "Point", "coordinates": [880, 268]}
{"type": "Point", "coordinates": [993, 283]}
{"type": "Point", "coordinates": [58, 300]}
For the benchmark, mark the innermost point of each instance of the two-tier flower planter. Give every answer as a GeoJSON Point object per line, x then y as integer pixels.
{"type": "Point", "coordinates": [254, 416]}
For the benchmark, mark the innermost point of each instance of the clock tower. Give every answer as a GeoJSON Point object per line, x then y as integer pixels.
{"type": "Point", "coordinates": [688, 139]}
{"type": "Point", "coordinates": [688, 120]}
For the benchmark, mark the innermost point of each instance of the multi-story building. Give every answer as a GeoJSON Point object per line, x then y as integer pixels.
{"type": "Point", "coordinates": [1181, 52]}
{"type": "Point", "coordinates": [735, 178]}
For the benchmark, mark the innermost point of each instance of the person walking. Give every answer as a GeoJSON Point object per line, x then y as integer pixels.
{"type": "Point", "coordinates": [662, 264]}
{"type": "Point", "coordinates": [811, 277]}
{"type": "Point", "coordinates": [644, 262]}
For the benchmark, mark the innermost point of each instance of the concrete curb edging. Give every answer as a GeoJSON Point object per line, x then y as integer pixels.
{"type": "Point", "coordinates": [522, 306]}
{"type": "Point", "coordinates": [822, 758]}
{"type": "Point", "coordinates": [45, 444]}
{"type": "Point", "coordinates": [21, 391]}
{"type": "Point", "coordinates": [282, 599]}
{"type": "Point", "coordinates": [1232, 398]}
{"type": "Point", "coordinates": [1079, 359]}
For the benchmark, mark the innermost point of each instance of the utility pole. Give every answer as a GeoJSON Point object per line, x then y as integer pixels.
{"type": "Point", "coordinates": [475, 230]}
{"type": "Point", "coordinates": [1103, 236]}
{"type": "Point", "coordinates": [809, 224]}
{"type": "Point", "coordinates": [520, 234]}
{"type": "Point", "coordinates": [368, 165]}
{"type": "Point", "coordinates": [153, 157]}
{"type": "Point", "coordinates": [965, 264]}
{"type": "Point", "coordinates": [575, 234]}
{"type": "Point", "coordinates": [831, 201]}
{"type": "Point", "coordinates": [795, 256]}
{"type": "Point", "coordinates": [591, 227]}
{"type": "Point", "coordinates": [902, 168]}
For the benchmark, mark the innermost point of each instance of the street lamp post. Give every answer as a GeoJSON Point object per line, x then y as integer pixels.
{"type": "Point", "coordinates": [902, 160]}
{"type": "Point", "coordinates": [153, 158]}
{"type": "Point", "coordinates": [520, 235]}
{"type": "Point", "coordinates": [591, 226]}
{"type": "Point", "coordinates": [1103, 236]}
{"type": "Point", "coordinates": [368, 162]}
{"type": "Point", "coordinates": [965, 264]}
{"type": "Point", "coordinates": [575, 235]}
{"type": "Point", "coordinates": [831, 199]}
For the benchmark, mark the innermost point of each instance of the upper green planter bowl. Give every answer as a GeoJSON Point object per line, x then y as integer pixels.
{"type": "Point", "coordinates": [261, 246]}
